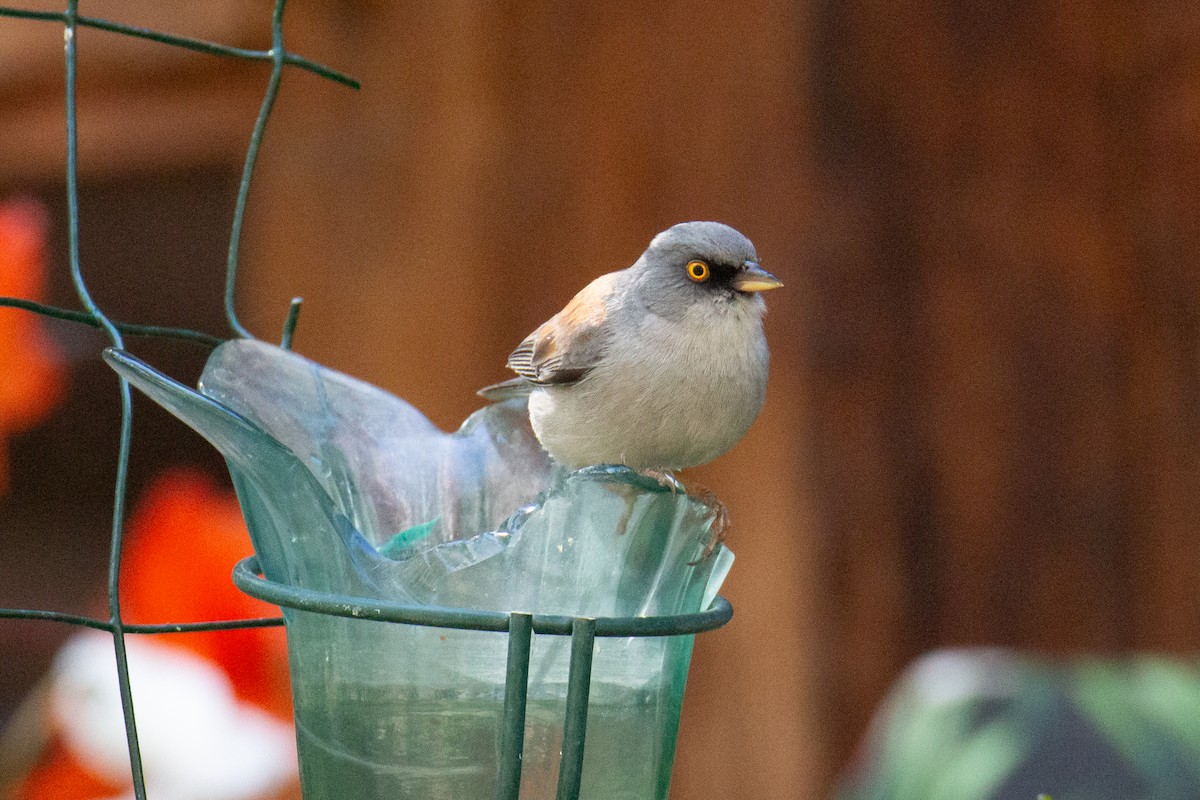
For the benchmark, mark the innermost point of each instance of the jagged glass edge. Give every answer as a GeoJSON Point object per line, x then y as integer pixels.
{"type": "Point", "coordinates": [370, 564]}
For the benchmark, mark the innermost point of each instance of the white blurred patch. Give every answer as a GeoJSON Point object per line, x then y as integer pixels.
{"type": "Point", "coordinates": [198, 741]}
{"type": "Point", "coordinates": [954, 675]}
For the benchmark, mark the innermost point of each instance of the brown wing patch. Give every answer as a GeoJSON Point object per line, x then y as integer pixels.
{"type": "Point", "coordinates": [567, 345]}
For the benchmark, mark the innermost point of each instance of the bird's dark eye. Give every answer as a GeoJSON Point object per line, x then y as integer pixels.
{"type": "Point", "coordinates": [698, 271]}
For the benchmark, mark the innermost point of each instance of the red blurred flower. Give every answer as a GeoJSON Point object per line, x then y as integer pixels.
{"type": "Point", "coordinates": [34, 378]}
{"type": "Point", "coordinates": [183, 540]}
{"type": "Point", "coordinates": [200, 694]}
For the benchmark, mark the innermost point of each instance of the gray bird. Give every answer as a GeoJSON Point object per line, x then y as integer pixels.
{"type": "Point", "coordinates": [660, 366]}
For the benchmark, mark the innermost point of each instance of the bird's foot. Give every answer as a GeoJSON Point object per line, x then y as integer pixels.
{"type": "Point", "coordinates": [662, 477]}
{"type": "Point", "coordinates": [666, 480]}
{"type": "Point", "coordinates": [720, 523]}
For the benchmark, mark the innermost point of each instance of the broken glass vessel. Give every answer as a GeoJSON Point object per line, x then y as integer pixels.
{"type": "Point", "coordinates": [349, 490]}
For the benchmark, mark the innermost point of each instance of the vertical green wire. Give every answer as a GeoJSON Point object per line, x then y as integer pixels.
{"type": "Point", "coordinates": [278, 58]}
{"type": "Point", "coordinates": [516, 694]}
{"type": "Point", "coordinates": [118, 516]}
{"type": "Point", "coordinates": [289, 324]}
{"type": "Point", "coordinates": [579, 684]}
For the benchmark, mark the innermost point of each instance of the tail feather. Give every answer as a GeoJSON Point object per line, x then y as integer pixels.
{"type": "Point", "coordinates": [506, 390]}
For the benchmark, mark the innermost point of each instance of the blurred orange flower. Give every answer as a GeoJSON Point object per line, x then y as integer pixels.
{"type": "Point", "coordinates": [34, 378]}
{"type": "Point", "coordinates": [213, 708]}
{"type": "Point", "coordinates": [183, 540]}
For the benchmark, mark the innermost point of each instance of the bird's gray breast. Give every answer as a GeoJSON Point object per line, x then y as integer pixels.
{"type": "Point", "coordinates": [670, 392]}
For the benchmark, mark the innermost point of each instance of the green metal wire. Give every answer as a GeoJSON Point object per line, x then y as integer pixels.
{"type": "Point", "coordinates": [248, 578]}
{"type": "Point", "coordinates": [188, 43]}
{"type": "Point", "coordinates": [519, 627]}
{"type": "Point", "coordinates": [120, 489]}
{"type": "Point", "coordinates": [289, 324]}
{"type": "Point", "coordinates": [260, 126]}
{"type": "Point", "coordinates": [158, 627]}
{"type": "Point", "coordinates": [131, 329]}
{"type": "Point", "coordinates": [92, 315]}
{"type": "Point", "coordinates": [55, 616]}
{"type": "Point", "coordinates": [516, 693]}
{"type": "Point", "coordinates": [579, 684]}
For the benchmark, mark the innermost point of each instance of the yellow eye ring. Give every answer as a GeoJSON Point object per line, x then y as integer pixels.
{"type": "Point", "coordinates": [697, 271]}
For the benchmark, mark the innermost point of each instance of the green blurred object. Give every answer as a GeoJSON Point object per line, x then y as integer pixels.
{"type": "Point", "coordinates": [994, 725]}
{"type": "Point", "coordinates": [402, 541]}
{"type": "Point", "coordinates": [550, 614]}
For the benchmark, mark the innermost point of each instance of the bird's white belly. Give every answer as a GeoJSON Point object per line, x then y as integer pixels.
{"type": "Point", "coordinates": [663, 401]}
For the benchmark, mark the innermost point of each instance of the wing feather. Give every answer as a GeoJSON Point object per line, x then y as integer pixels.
{"type": "Point", "coordinates": [568, 345]}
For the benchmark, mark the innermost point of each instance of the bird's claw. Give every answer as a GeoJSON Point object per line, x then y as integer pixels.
{"type": "Point", "coordinates": [720, 524]}
{"type": "Point", "coordinates": [666, 480]}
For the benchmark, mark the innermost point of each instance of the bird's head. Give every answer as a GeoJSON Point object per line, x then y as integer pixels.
{"type": "Point", "coordinates": [701, 262]}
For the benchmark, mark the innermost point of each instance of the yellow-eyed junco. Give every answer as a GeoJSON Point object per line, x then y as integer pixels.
{"type": "Point", "coordinates": [659, 366]}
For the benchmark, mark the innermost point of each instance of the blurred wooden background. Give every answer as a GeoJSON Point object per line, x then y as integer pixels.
{"type": "Point", "coordinates": [982, 423]}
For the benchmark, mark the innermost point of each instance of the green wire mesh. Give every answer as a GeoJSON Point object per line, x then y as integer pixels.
{"type": "Point", "coordinates": [519, 626]}
{"type": "Point", "coordinates": [92, 315]}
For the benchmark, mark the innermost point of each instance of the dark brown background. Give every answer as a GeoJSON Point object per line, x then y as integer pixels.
{"type": "Point", "coordinates": [982, 423]}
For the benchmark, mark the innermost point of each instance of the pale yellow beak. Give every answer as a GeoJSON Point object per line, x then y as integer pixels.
{"type": "Point", "coordinates": [753, 278]}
